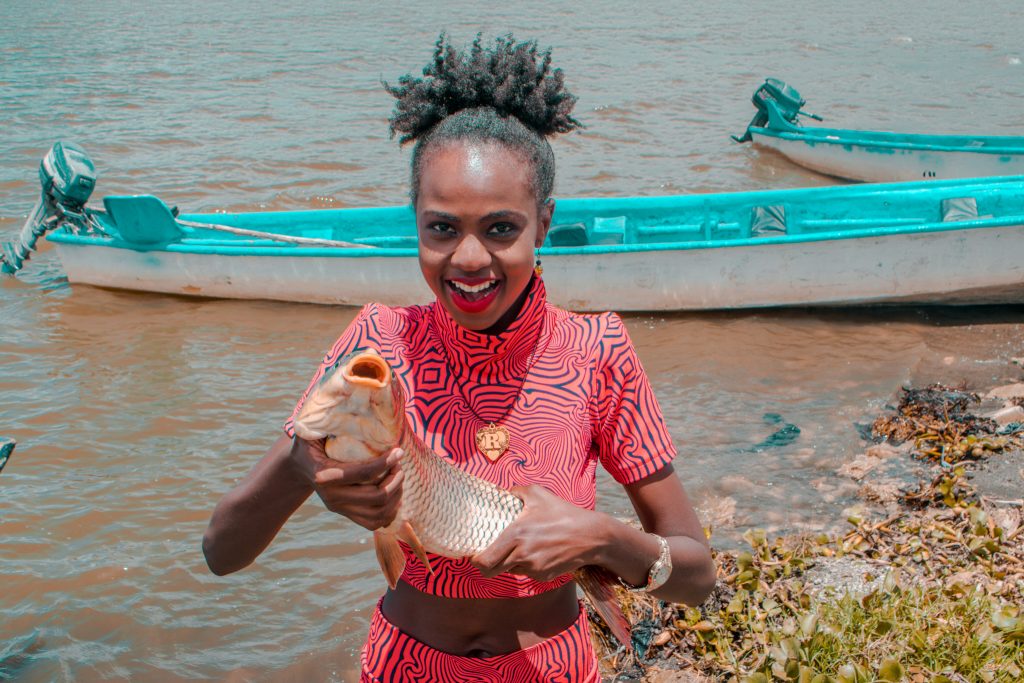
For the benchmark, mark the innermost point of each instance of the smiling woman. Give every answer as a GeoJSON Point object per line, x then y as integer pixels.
{"type": "Point", "coordinates": [479, 226]}
{"type": "Point", "coordinates": [503, 385]}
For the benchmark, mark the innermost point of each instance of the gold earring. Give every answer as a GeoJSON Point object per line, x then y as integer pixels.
{"type": "Point", "coordinates": [537, 268]}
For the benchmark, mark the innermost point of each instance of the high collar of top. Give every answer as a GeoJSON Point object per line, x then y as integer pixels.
{"type": "Point", "coordinates": [494, 356]}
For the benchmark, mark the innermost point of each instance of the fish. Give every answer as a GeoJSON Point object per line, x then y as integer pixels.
{"type": "Point", "coordinates": [358, 409]}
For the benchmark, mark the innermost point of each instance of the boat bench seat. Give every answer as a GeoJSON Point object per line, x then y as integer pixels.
{"type": "Point", "coordinates": [568, 235]}
{"type": "Point", "coordinates": [142, 219]}
{"type": "Point", "coordinates": [608, 230]}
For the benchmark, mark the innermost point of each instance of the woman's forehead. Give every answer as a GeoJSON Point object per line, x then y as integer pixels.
{"type": "Point", "coordinates": [462, 171]}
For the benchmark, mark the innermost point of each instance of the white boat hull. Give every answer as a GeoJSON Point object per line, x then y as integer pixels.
{"type": "Point", "coordinates": [887, 164]}
{"type": "Point", "coordinates": [957, 266]}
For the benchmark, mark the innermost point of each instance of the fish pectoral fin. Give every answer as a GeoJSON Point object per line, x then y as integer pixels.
{"type": "Point", "coordinates": [389, 555]}
{"type": "Point", "coordinates": [407, 533]}
{"type": "Point", "coordinates": [598, 585]}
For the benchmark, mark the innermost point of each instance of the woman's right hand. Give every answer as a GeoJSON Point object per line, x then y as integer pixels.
{"type": "Point", "coordinates": [367, 492]}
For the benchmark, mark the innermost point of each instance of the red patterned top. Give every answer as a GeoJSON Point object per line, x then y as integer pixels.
{"type": "Point", "coordinates": [585, 398]}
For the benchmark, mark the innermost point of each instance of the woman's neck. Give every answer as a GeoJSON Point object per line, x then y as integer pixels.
{"type": "Point", "coordinates": [511, 314]}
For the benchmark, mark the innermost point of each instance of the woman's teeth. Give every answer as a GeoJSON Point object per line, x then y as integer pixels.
{"type": "Point", "coordinates": [474, 288]}
{"type": "Point", "coordinates": [473, 292]}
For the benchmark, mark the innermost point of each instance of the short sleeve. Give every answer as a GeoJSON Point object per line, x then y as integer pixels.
{"type": "Point", "coordinates": [632, 438]}
{"type": "Point", "coordinates": [360, 334]}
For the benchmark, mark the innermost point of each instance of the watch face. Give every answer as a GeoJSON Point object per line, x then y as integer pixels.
{"type": "Point", "coordinates": [659, 574]}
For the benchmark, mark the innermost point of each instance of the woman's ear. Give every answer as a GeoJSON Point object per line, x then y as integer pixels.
{"type": "Point", "coordinates": [547, 210]}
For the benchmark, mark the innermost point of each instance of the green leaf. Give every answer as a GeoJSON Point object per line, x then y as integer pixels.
{"type": "Point", "coordinates": [1005, 619]}
{"type": "Point", "coordinates": [809, 624]}
{"type": "Point", "coordinates": [847, 674]}
{"type": "Point", "coordinates": [883, 627]}
{"type": "Point", "coordinates": [891, 670]}
{"type": "Point", "coordinates": [744, 561]}
{"type": "Point", "coordinates": [755, 537]}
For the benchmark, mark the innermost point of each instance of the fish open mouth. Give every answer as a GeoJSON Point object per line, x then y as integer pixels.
{"type": "Point", "coordinates": [368, 369]}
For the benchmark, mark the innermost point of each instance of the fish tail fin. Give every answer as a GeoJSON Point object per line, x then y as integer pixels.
{"type": "Point", "coordinates": [407, 533]}
{"type": "Point", "coordinates": [389, 555]}
{"type": "Point", "coordinates": [598, 585]}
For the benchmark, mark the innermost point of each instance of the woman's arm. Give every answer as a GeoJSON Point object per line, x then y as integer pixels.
{"type": "Point", "coordinates": [664, 509]}
{"type": "Point", "coordinates": [249, 516]}
{"type": "Point", "coordinates": [552, 536]}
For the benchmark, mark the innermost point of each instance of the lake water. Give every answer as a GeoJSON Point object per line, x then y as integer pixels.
{"type": "Point", "coordinates": [135, 412]}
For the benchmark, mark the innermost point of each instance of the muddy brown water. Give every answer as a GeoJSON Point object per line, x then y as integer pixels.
{"type": "Point", "coordinates": [135, 412]}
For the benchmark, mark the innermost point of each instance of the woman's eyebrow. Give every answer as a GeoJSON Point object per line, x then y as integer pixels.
{"type": "Point", "coordinates": [441, 215]}
{"type": "Point", "coordinates": [505, 213]}
{"type": "Point", "coordinates": [494, 215]}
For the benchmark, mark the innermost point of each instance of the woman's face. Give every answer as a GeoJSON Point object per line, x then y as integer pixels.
{"type": "Point", "coordinates": [478, 224]}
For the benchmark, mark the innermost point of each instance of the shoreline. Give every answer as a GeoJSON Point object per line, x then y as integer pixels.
{"type": "Point", "coordinates": [925, 585]}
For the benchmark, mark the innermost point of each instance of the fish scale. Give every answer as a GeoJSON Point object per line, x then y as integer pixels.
{"type": "Point", "coordinates": [438, 497]}
{"type": "Point", "coordinates": [359, 411]}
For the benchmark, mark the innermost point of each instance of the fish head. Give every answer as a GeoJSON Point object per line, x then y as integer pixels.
{"type": "Point", "coordinates": [356, 407]}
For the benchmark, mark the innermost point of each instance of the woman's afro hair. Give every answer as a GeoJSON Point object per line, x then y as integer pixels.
{"type": "Point", "coordinates": [515, 79]}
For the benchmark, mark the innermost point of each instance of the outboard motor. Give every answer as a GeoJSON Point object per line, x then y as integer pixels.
{"type": "Point", "coordinates": [6, 448]}
{"type": "Point", "coordinates": [68, 177]}
{"type": "Point", "coordinates": [786, 100]}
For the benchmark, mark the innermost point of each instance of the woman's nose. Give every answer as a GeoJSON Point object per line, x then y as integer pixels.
{"type": "Point", "coordinates": [471, 254]}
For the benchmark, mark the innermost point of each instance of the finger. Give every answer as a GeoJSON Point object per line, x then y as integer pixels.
{"type": "Point", "coordinates": [496, 555]}
{"type": "Point", "coordinates": [528, 494]}
{"type": "Point", "coordinates": [392, 485]}
{"type": "Point", "coordinates": [513, 563]}
{"type": "Point", "coordinates": [389, 512]}
{"type": "Point", "coordinates": [331, 475]}
{"type": "Point", "coordinates": [358, 497]}
{"type": "Point", "coordinates": [520, 492]}
{"type": "Point", "coordinates": [517, 570]}
{"type": "Point", "coordinates": [365, 472]}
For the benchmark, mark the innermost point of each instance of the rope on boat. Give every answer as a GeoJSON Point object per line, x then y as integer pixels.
{"type": "Point", "coordinates": [275, 236]}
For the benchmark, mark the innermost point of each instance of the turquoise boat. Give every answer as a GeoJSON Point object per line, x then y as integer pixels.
{"type": "Point", "coordinates": [937, 242]}
{"type": "Point", "coordinates": [874, 156]}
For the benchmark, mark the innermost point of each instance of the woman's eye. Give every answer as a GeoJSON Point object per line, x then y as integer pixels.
{"type": "Point", "coordinates": [503, 229]}
{"type": "Point", "coordinates": [440, 229]}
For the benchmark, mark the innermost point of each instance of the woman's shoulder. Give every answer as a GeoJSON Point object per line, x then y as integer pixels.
{"type": "Point", "coordinates": [596, 331]}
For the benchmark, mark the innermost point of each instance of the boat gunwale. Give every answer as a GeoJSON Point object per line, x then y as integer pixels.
{"type": "Point", "coordinates": [594, 249]}
{"type": "Point", "coordinates": [932, 190]}
{"type": "Point", "coordinates": [840, 136]}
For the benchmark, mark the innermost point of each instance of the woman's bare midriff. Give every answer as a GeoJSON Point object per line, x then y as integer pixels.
{"type": "Point", "coordinates": [471, 627]}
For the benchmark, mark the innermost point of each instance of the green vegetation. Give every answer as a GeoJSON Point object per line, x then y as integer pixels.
{"type": "Point", "coordinates": [936, 593]}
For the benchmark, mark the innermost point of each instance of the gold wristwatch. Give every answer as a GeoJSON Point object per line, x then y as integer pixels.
{"type": "Point", "coordinates": [660, 570]}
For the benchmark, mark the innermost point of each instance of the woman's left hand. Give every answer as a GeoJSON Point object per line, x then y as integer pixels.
{"type": "Point", "coordinates": [550, 537]}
